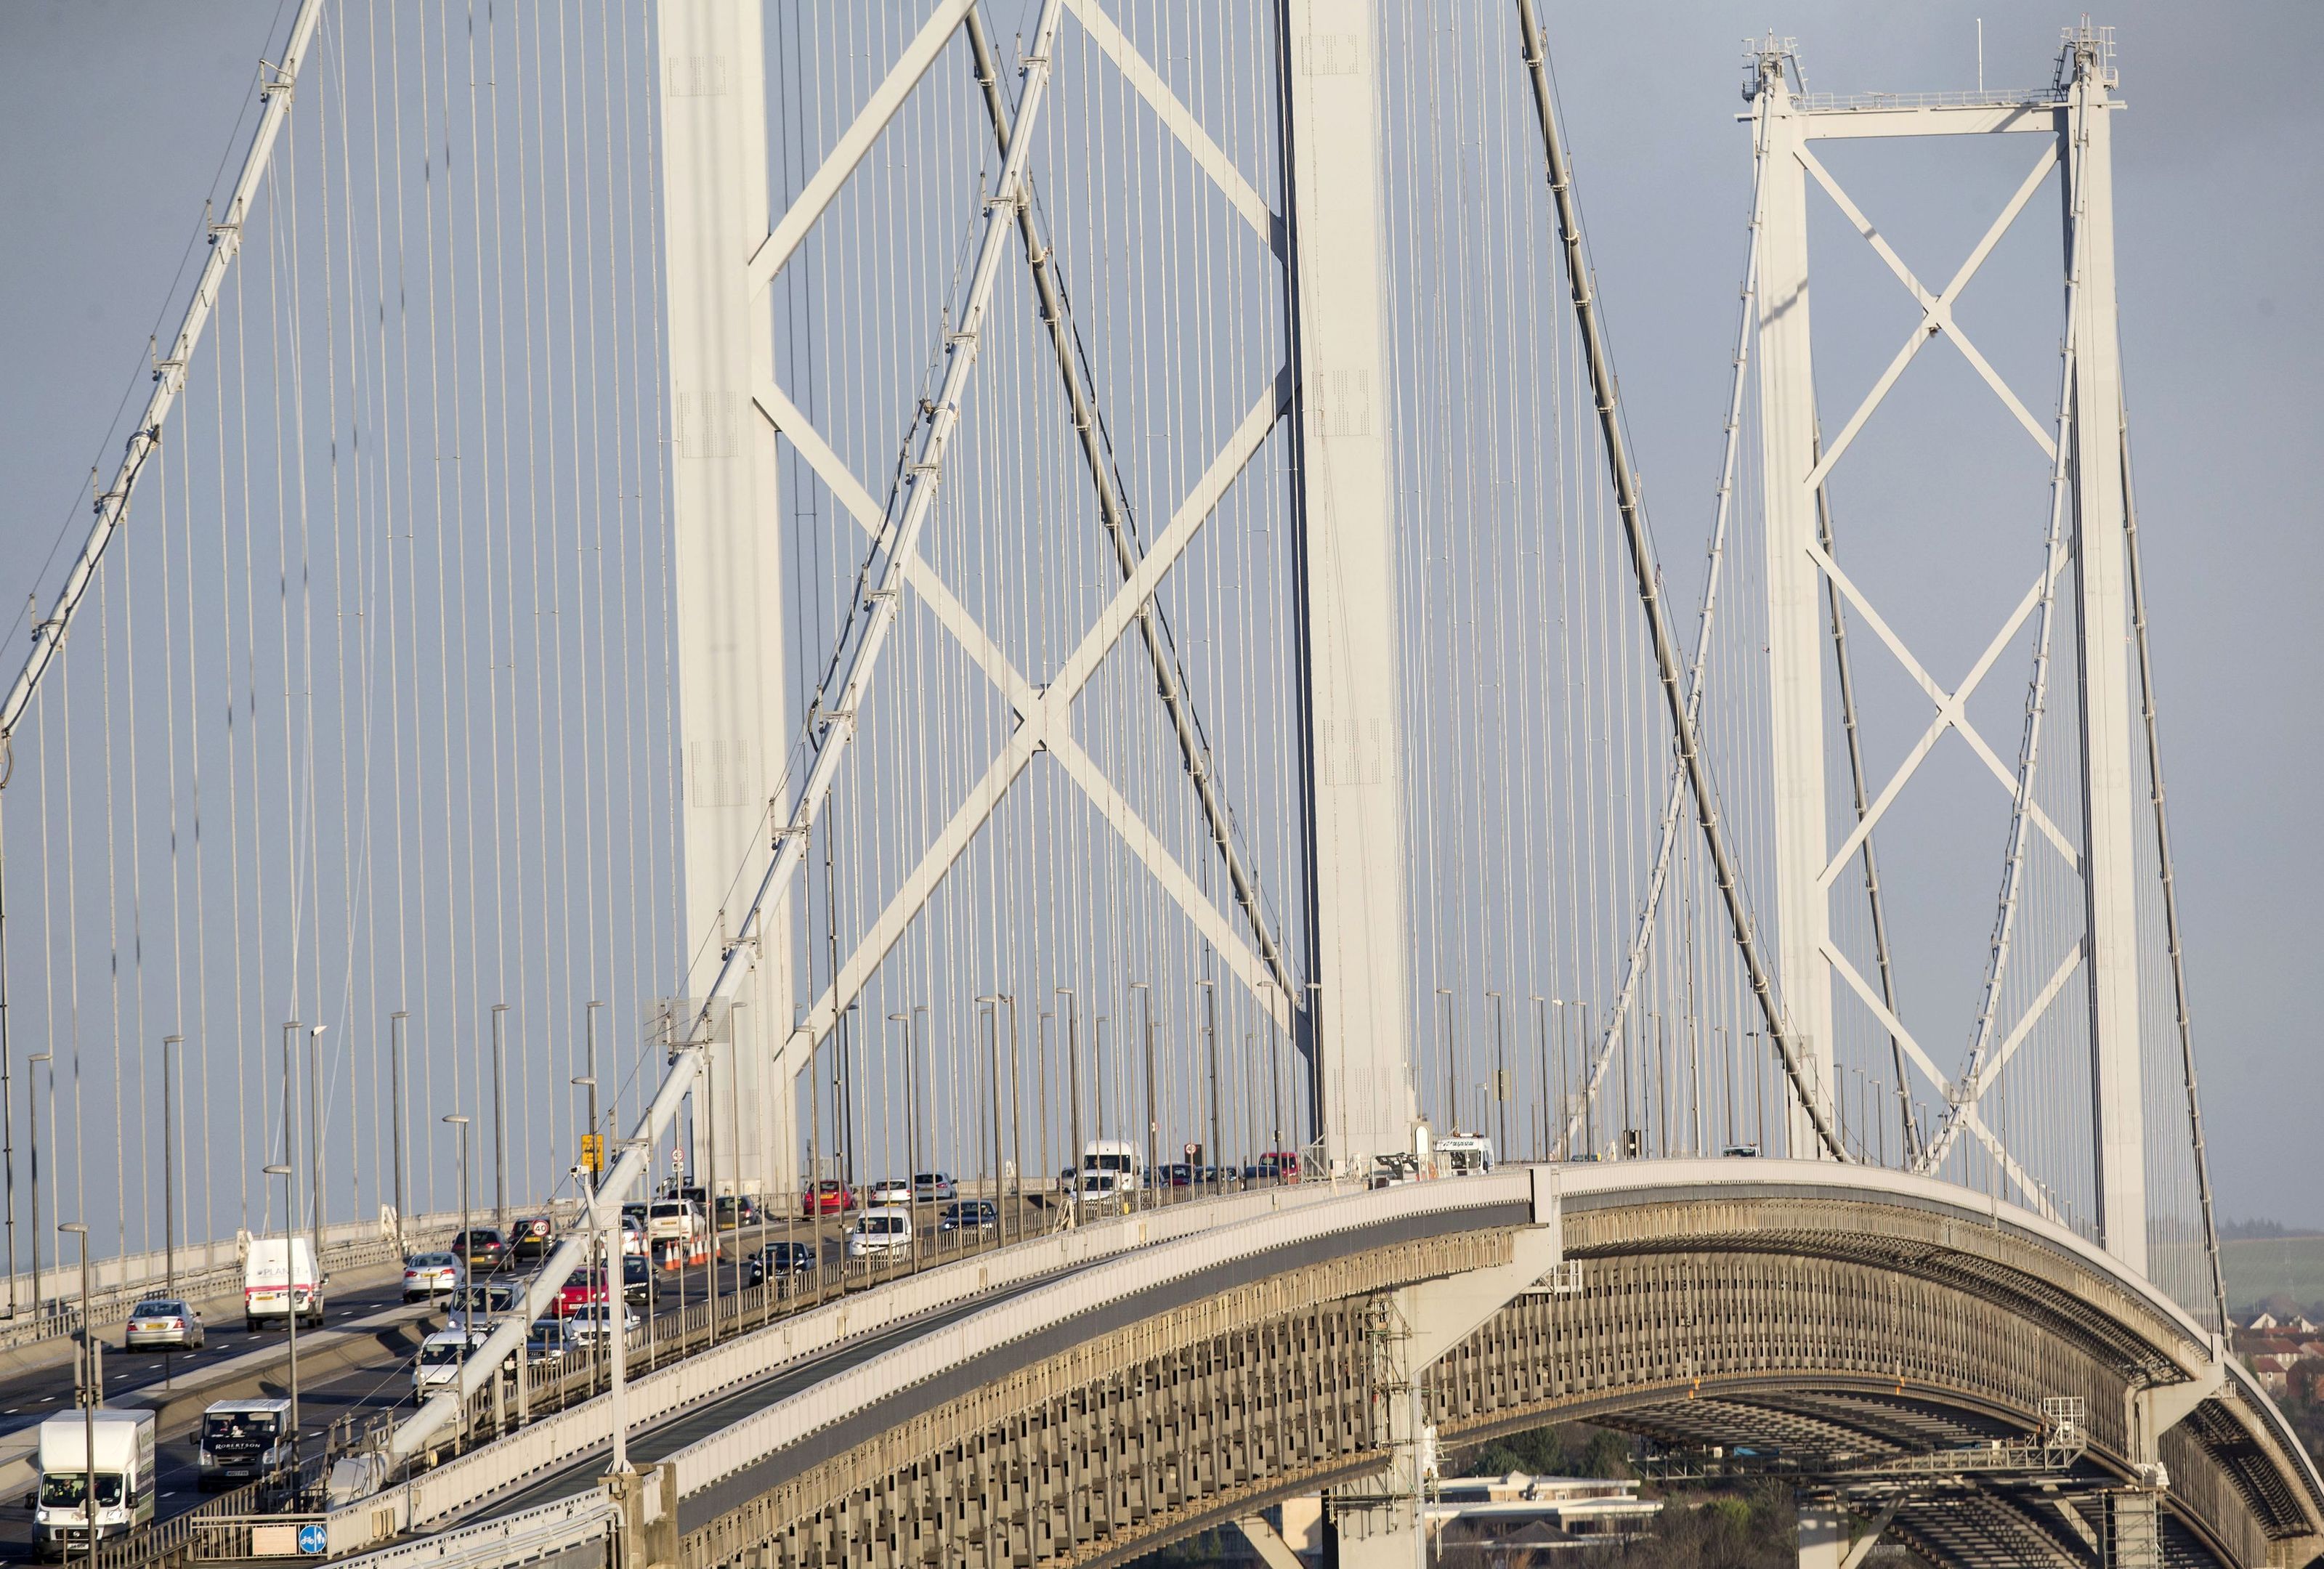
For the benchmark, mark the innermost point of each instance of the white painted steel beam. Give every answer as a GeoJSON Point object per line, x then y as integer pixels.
{"type": "Point", "coordinates": [1930, 120]}
{"type": "Point", "coordinates": [2110, 743]}
{"type": "Point", "coordinates": [733, 727]}
{"type": "Point", "coordinates": [1788, 446]}
{"type": "Point", "coordinates": [1179, 121]}
{"type": "Point", "coordinates": [1045, 722]}
{"type": "Point", "coordinates": [1351, 643]}
{"type": "Point", "coordinates": [825, 184]}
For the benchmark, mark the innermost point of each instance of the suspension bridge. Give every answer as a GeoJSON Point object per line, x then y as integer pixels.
{"type": "Point", "coordinates": [1035, 625]}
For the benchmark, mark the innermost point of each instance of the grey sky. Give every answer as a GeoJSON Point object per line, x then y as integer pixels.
{"type": "Point", "coordinates": [114, 116]}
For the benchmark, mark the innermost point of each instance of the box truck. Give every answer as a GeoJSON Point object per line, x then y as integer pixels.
{"type": "Point", "coordinates": [114, 1450]}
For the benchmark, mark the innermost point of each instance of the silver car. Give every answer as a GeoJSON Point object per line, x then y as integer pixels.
{"type": "Point", "coordinates": [164, 1324]}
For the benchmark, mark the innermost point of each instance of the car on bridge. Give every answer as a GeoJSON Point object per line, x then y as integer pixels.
{"type": "Point", "coordinates": [1277, 1165]}
{"type": "Point", "coordinates": [881, 1232]}
{"type": "Point", "coordinates": [581, 1288]}
{"type": "Point", "coordinates": [1178, 1174]}
{"type": "Point", "coordinates": [782, 1263]}
{"type": "Point", "coordinates": [673, 1219]}
{"type": "Point", "coordinates": [547, 1343]}
{"type": "Point", "coordinates": [933, 1187]}
{"type": "Point", "coordinates": [969, 1215]}
{"type": "Point", "coordinates": [830, 1197]}
{"type": "Point", "coordinates": [482, 1245]}
{"type": "Point", "coordinates": [433, 1275]}
{"type": "Point", "coordinates": [737, 1210]}
{"type": "Point", "coordinates": [163, 1324]}
{"type": "Point", "coordinates": [890, 1190]}
{"type": "Point", "coordinates": [587, 1326]}
{"type": "Point", "coordinates": [633, 1235]}
{"type": "Point", "coordinates": [489, 1298]}
{"type": "Point", "coordinates": [440, 1356]}
{"type": "Point", "coordinates": [532, 1239]}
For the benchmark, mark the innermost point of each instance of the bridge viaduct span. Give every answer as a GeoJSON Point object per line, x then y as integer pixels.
{"type": "Point", "coordinates": [1956, 1373]}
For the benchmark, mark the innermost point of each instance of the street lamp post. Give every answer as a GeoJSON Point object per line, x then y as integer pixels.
{"type": "Point", "coordinates": [1451, 1077]}
{"type": "Point", "coordinates": [499, 1123]}
{"type": "Point", "coordinates": [315, 1145]}
{"type": "Point", "coordinates": [1153, 1117]}
{"type": "Point", "coordinates": [990, 1002]}
{"type": "Point", "coordinates": [168, 1171]}
{"type": "Point", "coordinates": [395, 1110]}
{"type": "Point", "coordinates": [92, 1391]}
{"type": "Point", "coordinates": [467, 1243]}
{"type": "Point", "coordinates": [1211, 1035]}
{"type": "Point", "coordinates": [1073, 1093]}
{"type": "Point", "coordinates": [1500, 1077]}
{"type": "Point", "coordinates": [32, 1108]}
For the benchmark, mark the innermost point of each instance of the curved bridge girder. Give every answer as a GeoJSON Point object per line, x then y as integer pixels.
{"type": "Point", "coordinates": [1843, 1329]}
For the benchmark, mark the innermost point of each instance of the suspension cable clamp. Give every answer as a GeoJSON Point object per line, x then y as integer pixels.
{"type": "Point", "coordinates": [278, 81]}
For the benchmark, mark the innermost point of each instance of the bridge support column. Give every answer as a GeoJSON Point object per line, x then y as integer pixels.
{"type": "Point", "coordinates": [2111, 796]}
{"type": "Point", "coordinates": [1796, 612]}
{"type": "Point", "coordinates": [1377, 1526]}
{"type": "Point", "coordinates": [733, 724]}
{"type": "Point", "coordinates": [1359, 1027]}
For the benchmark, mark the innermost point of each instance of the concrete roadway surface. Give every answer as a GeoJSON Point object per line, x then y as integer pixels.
{"type": "Point", "coordinates": [367, 1374]}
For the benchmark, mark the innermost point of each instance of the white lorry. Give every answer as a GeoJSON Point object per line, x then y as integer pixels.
{"type": "Point", "coordinates": [1464, 1155]}
{"type": "Point", "coordinates": [279, 1279]}
{"type": "Point", "coordinates": [114, 1448]}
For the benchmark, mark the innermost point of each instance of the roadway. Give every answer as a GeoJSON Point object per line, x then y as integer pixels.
{"type": "Point", "coordinates": [378, 1380]}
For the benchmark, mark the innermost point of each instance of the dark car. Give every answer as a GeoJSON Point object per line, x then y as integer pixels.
{"type": "Point", "coordinates": [637, 1278]}
{"type": "Point", "coordinates": [968, 1215]}
{"type": "Point", "coordinates": [780, 1263]}
{"type": "Point", "coordinates": [1178, 1174]}
{"type": "Point", "coordinates": [737, 1212]}
{"type": "Point", "coordinates": [481, 1246]}
{"type": "Point", "coordinates": [533, 1239]}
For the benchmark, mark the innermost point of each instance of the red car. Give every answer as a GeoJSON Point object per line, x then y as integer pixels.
{"type": "Point", "coordinates": [583, 1287]}
{"type": "Point", "coordinates": [829, 1196]}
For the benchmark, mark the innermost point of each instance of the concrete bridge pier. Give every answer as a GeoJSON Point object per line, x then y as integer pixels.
{"type": "Point", "coordinates": [1372, 1525]}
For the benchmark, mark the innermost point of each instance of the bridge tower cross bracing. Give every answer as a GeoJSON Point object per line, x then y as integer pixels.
{"type": "Point", "coordinates": [733, 723]}
{"type": "Point", "coordinates": [2109, 802]}
{"type": "Point", "coordinates": [1795, 615]}
{"type": "Point", "coordinates": [1349, 638]}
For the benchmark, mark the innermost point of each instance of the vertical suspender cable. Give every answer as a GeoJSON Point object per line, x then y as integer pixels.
{"type": "Point", "coordinates": [2186, 1021]}
{"type": "Point", "coordinates": [1634, 527]}
{"type": "Point", "coordinates": [169, 378]}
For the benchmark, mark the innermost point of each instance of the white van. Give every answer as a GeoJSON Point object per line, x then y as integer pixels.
{"type": "Point", "coordinates": [881, 1233]}
{"type": "Point", "coordinates": [279, 1279]}
{"type": "Point", "coordinates": [243, 1439]}
{"type": "Point", "coordinates": [1464, 1155]}
{"type": "Point", "coordinates": [121, 1464]}
{"type": "Point", "coordinates": [1112, 1171]}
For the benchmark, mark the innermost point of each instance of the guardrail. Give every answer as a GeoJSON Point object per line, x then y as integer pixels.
{"type": "Point", "coordinates": [551, 1442]}
{"type": "Point", "coordinates": [204, 1271]}
{"type": "Point", "coordinates": [523, 1538]}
